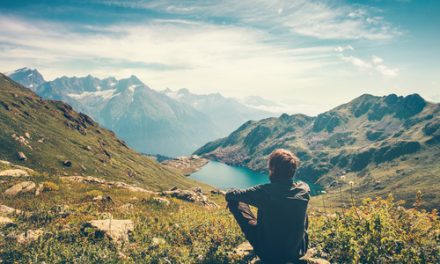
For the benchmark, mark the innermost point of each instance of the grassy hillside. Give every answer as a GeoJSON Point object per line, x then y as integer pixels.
{"type": "Point", "coordinates": [376, 231]}
{"type": "Point", "coordinates": [59, 141]}
{"type": "Point", "coordinates": [383, 144]}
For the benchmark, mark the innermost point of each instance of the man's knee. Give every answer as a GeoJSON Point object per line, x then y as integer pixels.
{"type": "Point", "coordinates": [231, 205]}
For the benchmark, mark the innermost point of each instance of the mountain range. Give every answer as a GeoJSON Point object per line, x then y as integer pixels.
{"type": "Point", "coordinates": [167, 123]}
{"type": "Point", "coordinates": [381, 145]}
{"type": "Point", "coordinates": [50, 137]}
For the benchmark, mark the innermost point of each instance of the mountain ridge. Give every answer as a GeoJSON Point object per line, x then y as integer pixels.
{"type": "Point", "coordinates": [363, 139]}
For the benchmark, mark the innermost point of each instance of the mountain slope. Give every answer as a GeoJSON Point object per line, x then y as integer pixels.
{"type": "Point", "coordinates": [147, 120]}
{"type": "Point", "coordinates": [228, 113]}
{"type": "Point", "coordinates": [383, 144]}
{"type": "Point", "coordinates": [57, 140]}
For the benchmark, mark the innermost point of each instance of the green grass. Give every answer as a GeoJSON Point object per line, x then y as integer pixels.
{"type": "Point", "coordinates": [183, 232]}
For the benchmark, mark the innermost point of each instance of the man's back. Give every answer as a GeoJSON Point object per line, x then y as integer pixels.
{"type": "Point", "coordinates": [281, 226]}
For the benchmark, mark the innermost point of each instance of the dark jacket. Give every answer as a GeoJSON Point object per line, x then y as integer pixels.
{"type": "Point", "coordinates": [281, 221]}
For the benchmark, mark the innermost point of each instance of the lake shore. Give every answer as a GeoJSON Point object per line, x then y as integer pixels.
{"type": "Point", "coordinates": [187, 165]}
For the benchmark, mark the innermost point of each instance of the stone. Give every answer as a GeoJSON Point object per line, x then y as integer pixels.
{"type": "Point", "coordinates": [5, 221]}
{"type": "Point", "coordinates": [218, 192]}
{"type": "Point", "coordinates": [39, 189]}
{"type": "Point", "coordinates": [21, 187]}
{"type": "Point", "coordinates": [67, 163]}
{"type": "Point", "coordinates": [6, 210]}
{"type": "Point", "coordinates": [14, 173]}
{"type": "Point", "coordinates": [161, 200]}
{"type": "Point", "coordinates": [27, 135]}
{"type": "Point", "coordinates": [21, 156]}
{"type": "Point", "coordinates": [103, 198]}
{"type": "Point", "coordinates": [29, 236]}
{"type": "Point", "coordinates": [190, 196]}
{"type": "Point", "coordinates": [118, 230]}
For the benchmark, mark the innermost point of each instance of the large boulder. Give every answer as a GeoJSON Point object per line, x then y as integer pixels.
{"type": "Point", "coordinates": [22, 187]}
{"type": "Point", "coordinates": [117, 230]}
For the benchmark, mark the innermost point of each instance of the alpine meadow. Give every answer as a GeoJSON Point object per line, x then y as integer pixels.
{"type": "Point", "coordinates": [265, 131]}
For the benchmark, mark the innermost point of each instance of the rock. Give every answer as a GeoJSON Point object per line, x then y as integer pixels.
{"type": "Point", "coordinates": [190, 196]}
{"type": "Point", "coordinates": [198, 190]}
{"type": "Point", "coordinates": [39, 189]}
{"type": "Point", "coordinates": [219, 192]}
{"type": "Point", "coordinates": [21, 187]}
{"type": "Point", "coordinates": [103, 198]}
{"type": "Point", "coordinates": [5, 221]}
{"type": "Point", "coordinates": [118, 230]}
{"type": "Point", "coordinates": [29, 236]}
{"type": "Point", "coordinates": [14, 173]}
{"type": "Point", "coordinates": [67, 163]}
{"type": "Point", "coordinates": [5, 162]}
{"type": "Point", "coordinates": [156, 241]}
{"type": "Point", "coordinates": [110, 184]}
{"type": "Point", "coordinates": [161, 200]}
{"type": "Point", "coordinates": [308, 258]}
{"type": "Point", "coordinates": [27, 135]}
{"type": "Point", "coordinates": [245, 252]}
{"type": "Point", "coordinates": [21, 156]}
{"type": "Point", "coordinates": [6, 210]}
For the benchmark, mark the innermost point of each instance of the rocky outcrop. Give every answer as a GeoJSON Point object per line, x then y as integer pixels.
{"type": "Point", "coordinates": [109, 184]}
{"type": "Point", "coordinates": [195, 196]}
{"type": "Point", "coordinates": [14, 173]}
{"type": "Point", "coordinates": [327, 121]}
{"type": "Point", "coordinates": [22, 187]}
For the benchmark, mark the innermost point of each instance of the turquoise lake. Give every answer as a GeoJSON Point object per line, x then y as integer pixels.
{"type": "Point", "coordinates": [223, 176]}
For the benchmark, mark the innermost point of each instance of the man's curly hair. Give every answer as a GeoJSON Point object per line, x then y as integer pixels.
{"type": "Point", "coordinates": [283, 164]}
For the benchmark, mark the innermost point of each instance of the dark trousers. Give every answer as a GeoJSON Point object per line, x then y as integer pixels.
{"type": "Point", "coordinates": [246, 220]}
{"type": "Point", "coordinates": [248, 224]}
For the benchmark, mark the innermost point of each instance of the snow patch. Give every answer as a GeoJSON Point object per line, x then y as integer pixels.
{"type": "Point", "coordinates": [105, 95]}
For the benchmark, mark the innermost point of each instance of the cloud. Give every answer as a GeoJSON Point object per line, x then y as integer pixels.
{"type": "Point", "coordinates": [316, 19]}
{"type": "Point", "coordinates": [164, 53]}
{"type": "Point", "coordinates": [343, 48]}
{"type": "Point", "coordinates": [375, 64]}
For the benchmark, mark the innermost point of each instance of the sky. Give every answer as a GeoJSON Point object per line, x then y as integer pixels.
{"type": "Point", "coordinates": [310, 55]}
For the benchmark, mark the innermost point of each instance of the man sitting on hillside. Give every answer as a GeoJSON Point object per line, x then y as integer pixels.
{"type": "Point", "coordinates": [279, 234]}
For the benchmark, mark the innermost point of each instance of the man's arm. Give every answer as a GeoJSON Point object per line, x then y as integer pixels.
{"type": "Point", "coordinates": [252, 196]}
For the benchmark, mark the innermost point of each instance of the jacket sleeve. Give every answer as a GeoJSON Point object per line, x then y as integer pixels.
{"type": "Point", "coordinates": [252, 196]}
